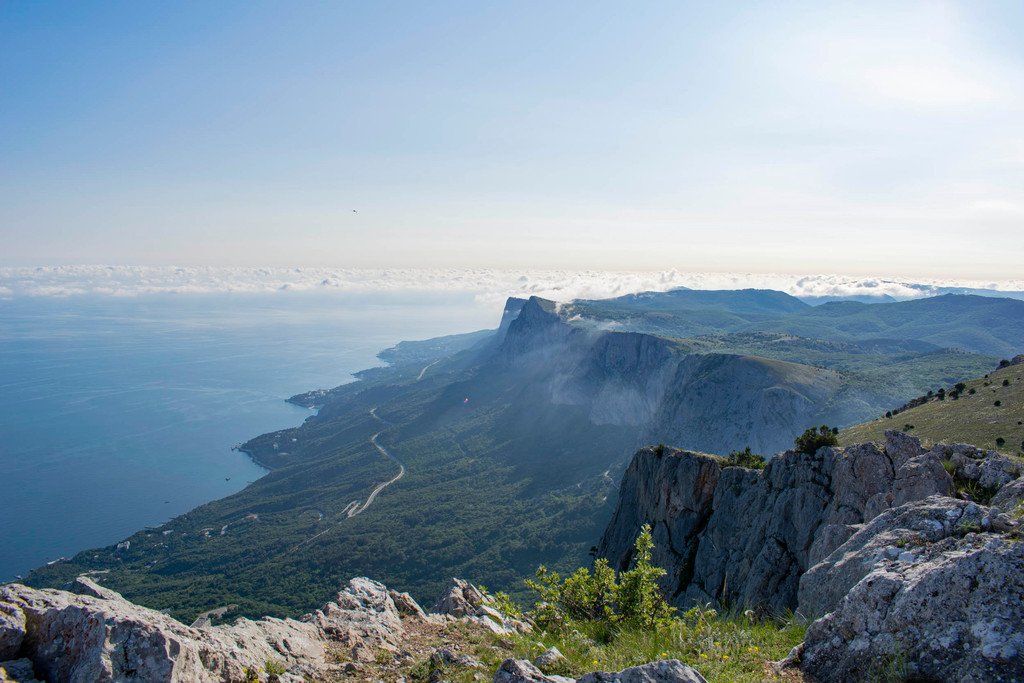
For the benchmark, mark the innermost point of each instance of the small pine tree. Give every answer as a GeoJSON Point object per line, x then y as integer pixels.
{"type": "Point", "coordinates": [638, 596]}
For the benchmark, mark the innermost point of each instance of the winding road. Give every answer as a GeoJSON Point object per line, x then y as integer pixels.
{"type": "Point", "coordinates": [354, 507]}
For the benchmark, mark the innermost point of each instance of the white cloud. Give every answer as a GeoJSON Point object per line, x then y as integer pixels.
{"type": "Point", "coordinates": [926, 85]}
{"type": "Point", "coordinates": [488, 285]}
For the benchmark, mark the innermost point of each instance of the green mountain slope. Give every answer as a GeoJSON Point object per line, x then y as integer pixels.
{"type": "Point", "coordinates": [972, 418]}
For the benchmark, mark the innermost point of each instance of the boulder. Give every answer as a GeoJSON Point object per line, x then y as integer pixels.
{"type": "Point", "coordinates": [1010, 496]}
{"type": "Point", "coordinates": [12, 630]}
{"type": "Point", "coordinates": [550, 657]}
{"type": "Point", "coordinates": [406, 605]}
{"type": "Point", "coordinates": [463, 600]}
{"type": "Point", "coordinates": [661, 671]}
{"type": "Point", "coordinates": [444, 656]}
{"type": "Point", "coordinates": [17, 671]}
{"type": "Point", "coordinates": [83, 585]}
{"type": "Point", "coordinates": [363, 618]}
{"type": "Point", "coordinates": [988, 468]}
{"type": "Point", "coordinates": [460, 599]}
{"type": "Point", "coordinates": [522, 671]}
{"type": "Point", "coordinates": [84, 638]}
{"type": "Point", "coordinates": [945, 611]}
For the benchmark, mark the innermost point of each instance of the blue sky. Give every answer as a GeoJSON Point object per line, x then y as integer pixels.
{"type": "Point", "coordinates": [763, 137]}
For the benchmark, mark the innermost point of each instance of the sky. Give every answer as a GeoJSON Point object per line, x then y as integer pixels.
{"type": "Point", "coordinates": [760, 137]}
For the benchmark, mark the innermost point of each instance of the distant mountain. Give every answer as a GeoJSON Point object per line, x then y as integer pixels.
{"type": "Point", "coordinates": [739, 301]}
{"type": "Point", "coordinates": [863, 298]}
{"type": "Point", "coordinates": [986, 325]}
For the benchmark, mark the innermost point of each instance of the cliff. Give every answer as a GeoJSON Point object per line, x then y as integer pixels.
{"type": "Point", "coordinates": [745, 538]}
{"type": "Point", "coordinates": [882, 542]}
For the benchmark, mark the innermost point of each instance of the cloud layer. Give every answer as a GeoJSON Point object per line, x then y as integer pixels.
{"type": "Point", "coordinates": [486, 284]}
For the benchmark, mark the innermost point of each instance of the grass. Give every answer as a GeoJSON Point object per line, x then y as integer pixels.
{"type": "Point", "coordinates": [722, 648]}
{"type": "Point", "coordinates": [973, 418]}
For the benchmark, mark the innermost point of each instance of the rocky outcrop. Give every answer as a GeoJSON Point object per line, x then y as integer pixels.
{"type": "Point", "coordinates": [661, 671]}
{"type": "Point", "coordinates": [71, 637]}
{"type": "Point", "coordinates": [522, 671]}
{"type": "Point", "coordinates": [654, 386]}
{"type": "Point", "coordinates": [97, 635]}
{"type": "Point", "coordinates": [463, 600]}
{"type": "Point", "coordinates": [729, 535]}
{"type": "Point", "coordinates": [17, 671]}
{"type": "Point", "coordinates": [929, 591]}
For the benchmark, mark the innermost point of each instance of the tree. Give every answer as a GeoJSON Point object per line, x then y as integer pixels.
{"type": "Point", "coordinates": [745, 458]}
{"type": "Point", "coordinates": [812, 439]}
{"type": "Point", "coordinates": [638, 597]}
{"type": "Point", "coordinates": [960, 386]}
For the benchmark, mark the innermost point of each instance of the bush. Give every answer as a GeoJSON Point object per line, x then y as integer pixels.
{"type": "Point", "coordinates": [632, 597]}
{"type": "Point", "coordinates": [638, 598]}
{"type": "Point", "coordinates": [888, 414]}
{"type": "Point", "coordinates": [960, 386]}
{"type": "Point", "coordinates": [1000, 442]}
{"type": "Point", "coordinates": [272, 667]}
{"type": "Point", "coordinates": [745, 458]}
{"type": "Point", "coordinates": [971, 391]}
{"type": "Point", "coordinates": [1006, 382]}
{"type": "Point", "coordinates": [997, 404]}
{"type": "Point", "coordinates": [812, 439]}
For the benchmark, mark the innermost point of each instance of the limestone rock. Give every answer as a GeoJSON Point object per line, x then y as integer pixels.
{"type": "Point", "coordinates": [83, 585]}
{"type": "Point", "coordinates": [84, 638]}
{"type": "Point", "coordinates": [406, 605]}
{"type": "Point", "coordinates": [446, 657]}
{"type": "Point", "coordinates": [460, 599]}
{"type": "Point", "coordinates": [12, 630]}
{"type": "Point", "coordinates": [661, 671]}
{"type": "Point", "coordinates": [1009, 496]}
{"type": "Point", "coordinates": [745, 537]}
{"type": "Point", "coordinates": [901, 532]}
{"type": "Point", "coordinates": [363, 618]}
{"type": "Point", "coordinates": [948, 610]}
{"type": "Point", "coordinates": [465, 601]}
{"type": "Point", "coordinates": [17, 671]}
{"type": "Point", "coordinates": [988, 468]}
{"type": "Point", "coordinates": [550, 657]}
{"type": "Point", "coordinates": [520, 671]}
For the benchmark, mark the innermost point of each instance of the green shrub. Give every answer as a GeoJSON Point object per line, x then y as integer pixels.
{"type": "Point", "coordinates": [812, 439]}
{"type": "Point", "coordinates": [632, 597]}
{"type": "Point", "coordinates": [272, 667]}
{"type": "Point", "coordinates": [745, 458]}
{"type": "Point", "coordinates": [637, 596]}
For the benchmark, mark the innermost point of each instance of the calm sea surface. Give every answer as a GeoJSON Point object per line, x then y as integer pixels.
{"type": "Point", "coordinates": [118, 413]}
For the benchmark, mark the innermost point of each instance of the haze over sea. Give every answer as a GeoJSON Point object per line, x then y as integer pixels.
{"type": "Point", "coordinates": [121, 412]}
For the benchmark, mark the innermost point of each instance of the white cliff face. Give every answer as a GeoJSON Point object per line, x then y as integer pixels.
{"type": "Point", "coordinates": [745, 537]}
{"type": "Point", "coordinates": [710, 402]}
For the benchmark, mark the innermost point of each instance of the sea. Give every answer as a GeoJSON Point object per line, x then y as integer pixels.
{"type": "Point", "coordinates": [118, 413]}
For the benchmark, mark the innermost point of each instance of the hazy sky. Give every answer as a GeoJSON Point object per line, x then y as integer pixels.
{"type": "Point", "coordinates": [787, 137]}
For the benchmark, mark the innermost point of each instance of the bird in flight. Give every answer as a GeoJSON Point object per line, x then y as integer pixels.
{"type": "Point", "coordinates": [354, 211]}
